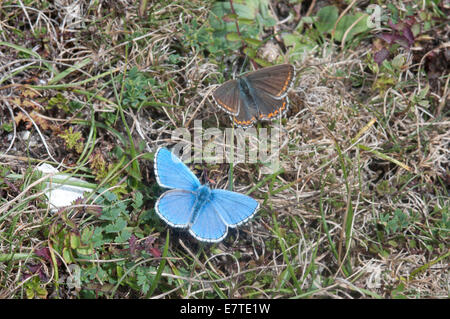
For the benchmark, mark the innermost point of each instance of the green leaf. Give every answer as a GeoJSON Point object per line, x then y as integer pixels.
{"type": "Point", "coordinates": [397, 293]}
{"type": "Point", "coordinates": [86, 234]}
{"type": "Point", "coordinates": [261, 62]}
{"type": "Point", "coordinates": [85, 251]}
{"type": "Point", "coordinates": [298, 44]}
{"type": "Point", "coordinates": [143, 280]}
{"type": "Point", "coordinates": [346, 23]}
{"type": "Point", "coordinates": [253, 42]}
{"type": "Point", "coordinates": [110, 214]}
{"type": "Point", "coordinates": [73, 140]}
{"type": "Point", "coordinates": [233, 36]}
{"type": "Point", "coordinates": [117, 226]}
{"type": "Point", "coordinates": [326, 18]}
{"type": "Point", "coordinates": [398, 61]}
{"type": "Point", "coordinates": [219, 37]}
{"type": "Point", "coordinates": [230, 17]}
{"type": "Point", "coordinates": [67, 255]}
{"type": "Point", "coordinates": [74, 241]}
{"type": "Point", "coordinates": [138, 200]}
{"type": "Point", "coordinates": [123, 236]}
{"type": "Point", "coordinates": [250, 52]}
{"type": "Point", "coordinates": [245, 21]}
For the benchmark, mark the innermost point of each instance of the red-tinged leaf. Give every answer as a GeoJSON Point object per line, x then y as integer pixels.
{"type": "Point", "coordinates": [149, 247]}
{"type": "Point", "coordinates": [409, 36]}
{"type": "Point", "coordinates": [26, 275]}
{"type": "Point", "coordinates": [395, 38]}
{"type": "Point", "coordinates": [381, 55]}
{"type": "Point", "coordinates": [10, 185]}
{"type": "Point", "coordinates": [33, 268]}
{"type": "Point", "coordinates": [388, 38]}
{"type": "Point", "coordinates": [397, 27]}
{"type": "Point", "coordinates": [149, 241]}
{"type": "Point", "coordinates": [403, 42]}
{"type": "Point", "coordinates": [44, 253]}
{"type": "Point", "coordinates": [154, 251]}
{"type": "Point", "coordinates": [78, 201]}
{"type": "Point", "coordinates": [133, 244]}
{"type": "Point", "coordinates": [36, 269]}
{"type": "Point", "coordinates": [409, 21]}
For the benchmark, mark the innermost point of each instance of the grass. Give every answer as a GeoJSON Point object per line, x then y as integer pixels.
{"type": "Point", "coordinates": [359, 207]}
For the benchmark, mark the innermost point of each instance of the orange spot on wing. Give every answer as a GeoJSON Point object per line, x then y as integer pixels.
{"type": "Point", "coordinates": [286, 83]}
{"type": "Point", "coordinates": [225, 106]}
{"type": "Point", "coordinates": [245, 123]}
{"type": "Point", "coordinates": [275, 112]}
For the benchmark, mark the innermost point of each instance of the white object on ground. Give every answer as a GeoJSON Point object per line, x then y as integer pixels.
{"type": "Point", "coordinates": [60, 195]}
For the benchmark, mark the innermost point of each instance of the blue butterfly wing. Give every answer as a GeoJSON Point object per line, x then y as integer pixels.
{"type": "Point", "coordinates": [175, 207]}
{"type": "Point", "coordinates": [208, 225]}
{"type": "Point", "coordinates": [171, 172]}
{"type": "Point", "coordinates": [233, 208]}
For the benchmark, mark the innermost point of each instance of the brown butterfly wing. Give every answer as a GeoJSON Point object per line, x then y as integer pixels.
{"type": "Point", "coordinates": [274, 80]}
{"type": "Point", "coordinates": [227, 97]}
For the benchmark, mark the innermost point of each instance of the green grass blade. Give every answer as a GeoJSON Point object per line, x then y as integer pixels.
{"type": "Point", "coordinates": [69, 70]}
{"type": "Point", "coordinates": [347, 224]}
{"type": "Point", "coordinates": [161, 267]}
{"type": "Point", "coordinates": [32, 53]}
{"type": "Point", "coordinates": [384, 156]}
{"type": "Point", "coordinates": [290, 269]}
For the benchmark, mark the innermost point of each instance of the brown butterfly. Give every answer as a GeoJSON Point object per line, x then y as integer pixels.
{"type": "Point", "coordinates": [258, 95]}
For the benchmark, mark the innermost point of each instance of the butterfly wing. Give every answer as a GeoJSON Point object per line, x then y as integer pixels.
{"type": "Point", "coordinates": [227, 97]}
{"type": "Point", "coordinates": [175, 207]}
{"type": "Point", "coordinates": [248, 113]}
{"type": "Point", "coordinates": [233, 208]}
{"type": "Point", "coordinates": [208, 225]}
{"type": "Point", "coordinates": [274, 80]}
{"type": "Point", "coordinates": [269, 107]}
{"type": "Point", "coordinates": [265, 107]}
{"type": "Point", "coordinates": [171, 172]}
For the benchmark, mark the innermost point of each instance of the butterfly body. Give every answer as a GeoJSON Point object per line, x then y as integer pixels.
{"type": "Point", "coordinates": [206, 213]}
{"type": "Point", "coordinates": [203, 195]}
{"type": "Point", "coordinates": [258, 95]}
{"type": "Point", "coordinates": [246, 91]}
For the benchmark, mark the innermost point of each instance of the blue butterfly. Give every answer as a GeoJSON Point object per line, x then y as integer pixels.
{"type": "Point", "coordinates": [207, 213]}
